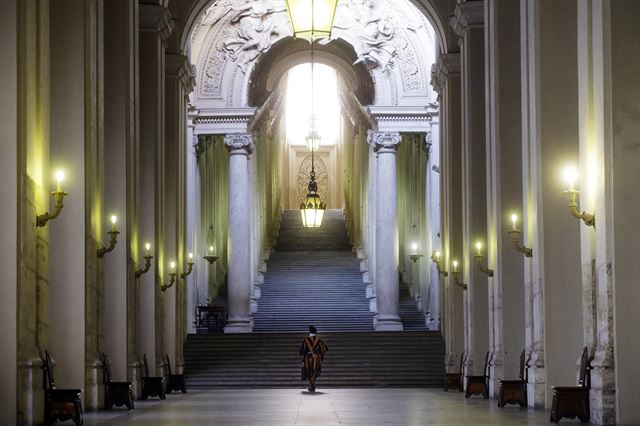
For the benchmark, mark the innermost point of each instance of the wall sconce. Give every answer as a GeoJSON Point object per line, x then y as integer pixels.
{"type": "Point", "coordinates": [172, 276]}
{"type": "Point", "coordinates": [455, 273]}
{"type": "Point", "coordinates": [436, 258]}
{"type": "Point", "coordinates": [189, 265]}
{"type": "Point", "coordinates": [479, 256]}
{"type": "Point", "coordinates": [515, 237]}
{"type": "Point", "coordinates": [58, 196]}
{"type": "Point", "coordinates": [570, 176]}
{"type": "Point", "coordinates": [147, 261]}
{"type": "Point", "coordinates": [414, 255]}
{"type": "Point", "coordinates": [209, 257]}
{"type": "Point", "coordinates": [113, 240]}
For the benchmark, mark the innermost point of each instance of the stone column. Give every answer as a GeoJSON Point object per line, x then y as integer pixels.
{"type": "Point", "coordinates": [617, 209]}
{"type": "Point", "coordinates": [467, 23]}
{"type": "Point", "coordinates": [445, 79]}
{"type": "Point", "coordinates": [387, 285]}
{"type": "Point", "coordinates": [368, 270]}
{"type": "Point", "coordinates": [179, 82]}
{"type": "Point", "coordinates": [504, 188]}
{"type": "Point", "coordinates": [121, 95]}
{"type": "Point", "coordinates": [155, 27]}
{"type": "Point", "coordinates": [553, 289]}
{"type": "Point", "coordinates": [608, 122]}
{"type": "Point", "coordinates": [9, 245]}
{"type": "Point", "coordinates": [196, 235]}
{"type": "Point", "coordinates": [73, 247]}
{"type": "Point", "coordinates": [240, 146]}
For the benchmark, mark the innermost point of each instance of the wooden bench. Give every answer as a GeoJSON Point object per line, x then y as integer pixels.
{"type": "Point", "coordinates": [514, 391]}
{"type": "Point", "coordinates": [455, 380]}
{"type": "Point", "coordinates": [175, 382]}
{"type": "Point", "coordinates": [573, 401]}
{"type": "Point", "coordinates": [115, 393]}
{"type": "Point", "coordinates": [479, 385]}
{"type": "Point", "coordinates": [151, 386]}
{"type": "Point", "coordinates": [59, 404]}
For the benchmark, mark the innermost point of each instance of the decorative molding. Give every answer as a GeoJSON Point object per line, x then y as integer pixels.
{"type": "Point", "coordinates": [223, 121]}
{"type": "Point", "coordinates": [391, 40]}
{"type": "Point", "coordinates": [155, 18]}
{"type": "Point", "coordinates": [239, 143]}
{"type": "Point", "coordinates": [426, 144]}
{"type": "Point", "coordinates": [178, 66]}
{"type": "Point", "coordinates": [413, 119]}
{"type": "Point", "coordinates": [448, 65]}
{"type": "Point", "coordinates": [384, 141]}
{"type": "Point", "coordinates": [469, 14]}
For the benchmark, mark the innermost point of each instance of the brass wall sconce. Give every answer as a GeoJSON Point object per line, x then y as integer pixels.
{"type": "Point", "coordinates": [436, 257]}
{"type": "Point", "coordinates": [455, 274]}
{"type": "Point", "coordinates": [570, 176]}
{"type": "Point", "coordinates": [58, 197]}
{"type": "Point", "coordinates": [515, 237]}
{"type": "Point", "coordinates": [209, 257]}
{"type": "Point", "coordinates": [414, 255]}
{"type": "Point", "coordinates": [147, 262]}
{"type": "Point", "coordinates": [189, 266]}
{"type": "Point", "coordinates": [479, 257]}
{"type": "Point", "coordinates": [172, 277]}
{"type": "Point", "coordinates": [113, 239]}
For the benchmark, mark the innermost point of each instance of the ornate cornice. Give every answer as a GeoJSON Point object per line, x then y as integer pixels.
{"type": "Point", "coordinates": [410, 119]}
{"type": "Point", "coordinates": [469, 14]}
{"type": "Point", "coordinates": [156, 18]}
{"type": "Point", "coordinates": [178, 66]}
{"type": "Point", "coordinates": [223, 121]}
{"type": "Point", "coordinates": [239, 143]}
{"type": "Point", "coordinates": [384, 142]}
{"type": "Point", "coordinates": [448, 65]}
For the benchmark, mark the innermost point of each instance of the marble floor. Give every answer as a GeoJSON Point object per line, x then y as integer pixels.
{"type": "Point", "coordinates": [279, 407]}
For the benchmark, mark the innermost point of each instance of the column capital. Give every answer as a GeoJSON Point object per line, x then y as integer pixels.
{"type": "Point", "coordinates": [469, 14]}
{"type": "Point", "coordinates": [384, 142]}
{"type": "Point", "coordinates": [239, 143]}
{"type": "Point", "coordinates": [178, 67]}
{"type": "Point", "coordinates": [156, 18]}
{"type": "Point", "coordinates": [447, 66]}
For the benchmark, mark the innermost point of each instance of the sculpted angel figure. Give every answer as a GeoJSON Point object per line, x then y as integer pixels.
{"type": "Point", "coordinates": [255, 30]}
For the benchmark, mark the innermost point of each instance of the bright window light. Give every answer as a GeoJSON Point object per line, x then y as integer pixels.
{"type": "Point", "coordinates": [326, 107]}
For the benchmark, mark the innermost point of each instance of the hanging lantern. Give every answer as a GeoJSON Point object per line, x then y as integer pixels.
{"type": "Point", "coordinates": [312, 209]}
{"type": "Point", "coordinates": [311, 19]}
{"type": "Point", "coordinates": [209, 254]}
{"type": "Point", "coordinates": [313, 140]}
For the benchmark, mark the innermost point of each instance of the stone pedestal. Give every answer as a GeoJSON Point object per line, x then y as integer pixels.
{"type": "Point", "coordinates": [240, 146]}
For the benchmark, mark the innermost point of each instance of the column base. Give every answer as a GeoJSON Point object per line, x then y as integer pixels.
{"type": "Point", "coordinates": [239, 326]}
{"type": "Point", "coordinates": [254, 306]}
{"type": "Point", "coordinates": [387, 323]}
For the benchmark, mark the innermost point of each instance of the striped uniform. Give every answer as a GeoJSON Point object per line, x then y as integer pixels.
{"type": "Point", "coordinates": [311, 356]}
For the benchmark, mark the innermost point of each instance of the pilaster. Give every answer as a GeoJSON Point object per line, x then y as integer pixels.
{"type": "Point", "coordinates": [468, 23]}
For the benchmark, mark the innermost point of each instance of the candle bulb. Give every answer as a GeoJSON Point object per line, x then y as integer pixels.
{"type": "Point", "coordinates": [479, 248]}
{"type": "Point", "coordinates": [172, 265]}
{"type": "Point", "coordinates": [414, 248]}
{"type": "Point", "coordinates": [437, 255]}
{"type": "Point", "coordinates": [210, 249]}
{"type": "Point", "coordinates": [455, 266]}
{"type": "Point", "coordinates": [114, 219]}
{"type": "Point", "coordinates": [190, 256]}
{"type": "Point", "coordinates": [570, 176]}
{"type": "Point", "coordinates": [514, 222]}
{"type": "Point", "coordinates": [59, 178]}
{"type": "Point", "coordinates": [148, 247]}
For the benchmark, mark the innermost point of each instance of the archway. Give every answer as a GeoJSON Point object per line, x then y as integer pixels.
{"type": "Point", "coordinates": [380, 51]}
